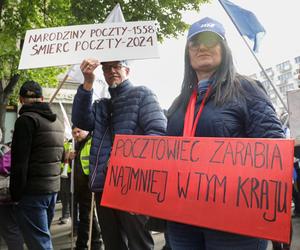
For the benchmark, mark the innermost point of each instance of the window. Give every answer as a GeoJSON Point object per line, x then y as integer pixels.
{"type": "Point", "coordinates": [297, 59]}
{"type": "Point", "coordinates": [269, 72]}
{"type": "Point", "coordinates": [284, 77]}
{"type": "Point", "coordinates": [266, 84]}
{"type": "Point", "coordinates": [283, 66]}
{"type": "Point", "coordinates": [290, 87]}
{"type": "Point", "coordinates": [283, 89]}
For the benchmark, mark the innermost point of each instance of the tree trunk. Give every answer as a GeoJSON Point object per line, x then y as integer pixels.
{"type": "Point", "coordinates": [2, 115]}
{"type": "Point", "coordinates": [4, 98]}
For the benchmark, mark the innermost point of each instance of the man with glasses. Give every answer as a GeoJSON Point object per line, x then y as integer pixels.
{"type": "Point", "coordinates": [130, 110]}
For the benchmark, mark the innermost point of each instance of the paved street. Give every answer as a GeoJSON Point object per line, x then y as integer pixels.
{"type": "Point", "coordinates": [60, 243]}
{"type": "Point", "coordinates": [62, 235]}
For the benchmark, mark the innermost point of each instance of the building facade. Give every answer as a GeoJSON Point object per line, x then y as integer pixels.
{"type": "Point", "coordinates": [284, 77]}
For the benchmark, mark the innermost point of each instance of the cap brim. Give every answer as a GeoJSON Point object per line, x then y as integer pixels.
{"type": "Point", "coordinates": [198, 32]}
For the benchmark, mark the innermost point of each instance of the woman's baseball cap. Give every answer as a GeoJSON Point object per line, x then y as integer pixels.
{"type": "Point", "coordinates": [206, 24]}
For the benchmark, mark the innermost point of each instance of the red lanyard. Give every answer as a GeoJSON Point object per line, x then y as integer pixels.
{"type": "Point", "coordinates": [190, 124]}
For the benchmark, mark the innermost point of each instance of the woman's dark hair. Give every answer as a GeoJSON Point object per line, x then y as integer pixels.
{"type": "Point", "coordinates": [226, 84]}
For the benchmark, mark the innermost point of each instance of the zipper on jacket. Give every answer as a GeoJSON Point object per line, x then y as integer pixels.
{"type": "Point", "coordinates": [97, 160]}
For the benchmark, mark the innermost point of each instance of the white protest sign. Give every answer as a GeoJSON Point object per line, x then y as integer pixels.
{"type": "Point", "coordinates": [293, 98]}
{"type": "Point", "coordinates": [106, 42]}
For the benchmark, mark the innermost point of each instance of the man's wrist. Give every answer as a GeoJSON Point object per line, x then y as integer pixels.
{"type": "Point", "coordinates": [87, 86]}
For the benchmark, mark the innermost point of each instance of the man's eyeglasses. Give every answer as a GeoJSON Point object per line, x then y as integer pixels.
{"type": "Point", "coordinates": [109, 67]}
{"type": "Point", "coordinates": [208, 40]}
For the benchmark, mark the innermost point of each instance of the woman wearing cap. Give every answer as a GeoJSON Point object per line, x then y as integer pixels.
{"type": "Point", "coordinates": [222, 104]}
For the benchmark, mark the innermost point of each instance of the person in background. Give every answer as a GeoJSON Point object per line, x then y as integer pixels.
{"type": "Point", "coordinates": [36, 154]}
{"type": "Point", "coordinates": [9, 228]}
{"type": "Point", "coordinates": [65, 184]}
{"type": "Point", "coordinates": [296, 189]}
{"type": "Point", "coordinates": [130, 110]}
{"type": "Point", "coordinates": [82, 193]}
{"type": "Point", "coordinates": [232, 105]}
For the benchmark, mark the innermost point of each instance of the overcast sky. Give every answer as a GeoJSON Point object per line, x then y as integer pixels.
{"type": "Point", "coordinates": [281, 42]}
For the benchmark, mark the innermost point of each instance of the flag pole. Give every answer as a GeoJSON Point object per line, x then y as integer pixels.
{"type": "Point", "coordinates": [72, 197]}
{"type": "Point", "coordinates": [91, 221]}
{"type": "Point", "coordinates": [58, 88]}
{"type": "Point", "coordinates": [256, 59]}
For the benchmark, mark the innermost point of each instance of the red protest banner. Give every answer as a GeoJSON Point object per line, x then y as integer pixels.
{"type": "Point", "coordinates": [238, 185]}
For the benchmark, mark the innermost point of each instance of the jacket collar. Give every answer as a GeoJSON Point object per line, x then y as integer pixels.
{"type": "Point", "coordinates": [120, 89]}
{"type": "Point", "coordinates": [41, 108]}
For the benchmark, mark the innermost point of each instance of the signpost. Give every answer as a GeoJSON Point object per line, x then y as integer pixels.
{"type": "Point", "coordinates": [238, 185]}
{"type": "Point", "coordinates": [293, 99]}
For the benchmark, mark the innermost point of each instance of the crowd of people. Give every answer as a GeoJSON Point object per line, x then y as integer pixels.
{"type": "Point", "coordinates": [215, 101]}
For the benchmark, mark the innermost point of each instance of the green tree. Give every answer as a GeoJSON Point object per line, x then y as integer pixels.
{"type": "Point", "coordinates": [17, 16]}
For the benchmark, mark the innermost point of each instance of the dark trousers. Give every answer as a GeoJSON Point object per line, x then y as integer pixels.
{"type": "Point", "coordinates": [296, 199]}
{"type": "Point", "coordinates": [83, 198]}
{"type": "Point", "coordinates": [296, 188]}
{"type": "Point", "coordinates": [188, 237]}
{"type": "Point", "coordinates": [9, 228]}
{"type": "Point", "coordinates": [65, 196]}
{"type": "Point", "coordinates": [122, 230]}
{"type": "Point", "coordinates": [283, 246]}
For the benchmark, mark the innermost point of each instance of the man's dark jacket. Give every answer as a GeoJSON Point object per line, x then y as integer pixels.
{"type": "Point", "coordinates": [37, 149]}
{"type": "Point", "coordinates": [130, 110]}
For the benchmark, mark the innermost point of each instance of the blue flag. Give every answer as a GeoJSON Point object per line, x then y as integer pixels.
{"type": "Point", "coordinates": [245, 21]}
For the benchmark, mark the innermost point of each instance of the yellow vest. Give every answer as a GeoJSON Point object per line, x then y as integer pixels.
{"type": "Point", "coordinates": [85, 157]}
{"type": "Point", "coordinates": [67, 147]}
